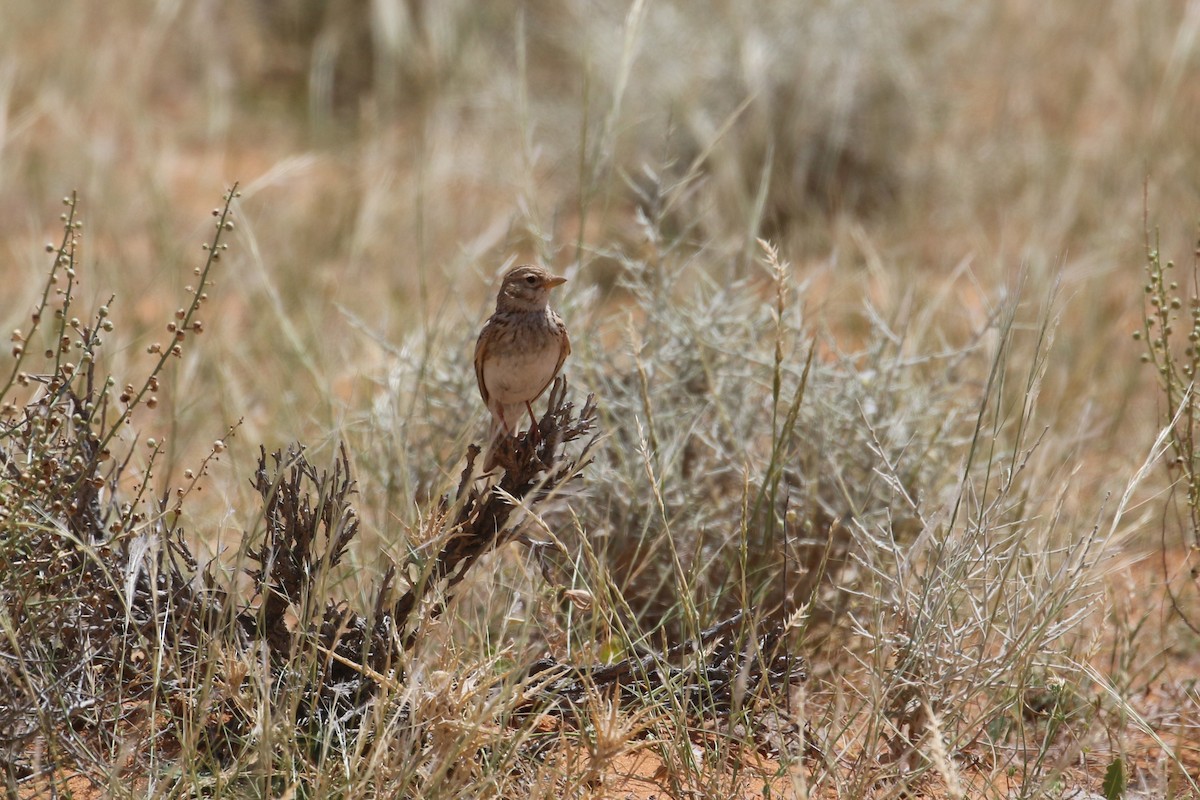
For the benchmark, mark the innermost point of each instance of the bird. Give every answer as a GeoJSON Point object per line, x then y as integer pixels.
{"type": "Point", "coordinates": [520, 350]}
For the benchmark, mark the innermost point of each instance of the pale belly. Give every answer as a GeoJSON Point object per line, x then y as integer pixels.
{"type": "Point", "coordinates": [519, 377]}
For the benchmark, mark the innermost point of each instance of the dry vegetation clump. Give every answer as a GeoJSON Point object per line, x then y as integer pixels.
{"type": "Point", "coordinates": [895, 507]}
{"type": "Point", "coordinates": [122, 656]}
{"type": "Point", "coordinates": [97, 579]}
{"type": "Point", "coordinates": [884, 512]}
{"type": "Point", "coordinates": [1171, 331]}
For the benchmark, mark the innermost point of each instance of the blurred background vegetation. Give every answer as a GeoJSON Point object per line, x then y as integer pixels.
{"type": "Point", "coordinates": [394, 154]}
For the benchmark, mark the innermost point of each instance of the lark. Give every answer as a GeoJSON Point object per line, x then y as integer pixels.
{"type": "Point", "coordinates": [520, 350]}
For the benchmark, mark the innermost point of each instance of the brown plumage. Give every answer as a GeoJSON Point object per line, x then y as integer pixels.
{"type": "Point", "coordinates": [519, 351]}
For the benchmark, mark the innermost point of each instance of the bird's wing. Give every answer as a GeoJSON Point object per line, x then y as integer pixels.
{"type": "Point", "coordinates": [480, 355]}
{"type": "Point", "coordinates": [564, 350]}
{"type": "Point", "coordinates": [566, 347]}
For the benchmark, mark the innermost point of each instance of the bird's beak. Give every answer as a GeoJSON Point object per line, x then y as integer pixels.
{"type": "Point", "coordinates": [555, 280]}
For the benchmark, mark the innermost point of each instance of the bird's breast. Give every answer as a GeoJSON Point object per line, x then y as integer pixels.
{"type": "Point", "coordinates": [520, 363]}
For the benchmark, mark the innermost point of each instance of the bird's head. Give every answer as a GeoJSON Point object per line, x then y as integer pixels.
{"type": "Point", "coordinates": [526, 288]}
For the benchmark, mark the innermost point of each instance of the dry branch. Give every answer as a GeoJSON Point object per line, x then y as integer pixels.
{"type": "Point", "coordinates": [535, 468]}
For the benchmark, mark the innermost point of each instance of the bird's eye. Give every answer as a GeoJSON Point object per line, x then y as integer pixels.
{"type": "Point", "coordinates": [531, 279]}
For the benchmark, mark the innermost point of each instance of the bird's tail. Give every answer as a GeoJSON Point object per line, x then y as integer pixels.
{"type": "Point", "coordinates": [491, 454]}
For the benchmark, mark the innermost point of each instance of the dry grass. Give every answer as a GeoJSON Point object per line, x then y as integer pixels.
{"type": "Point", "coordinates": [853, 285]}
